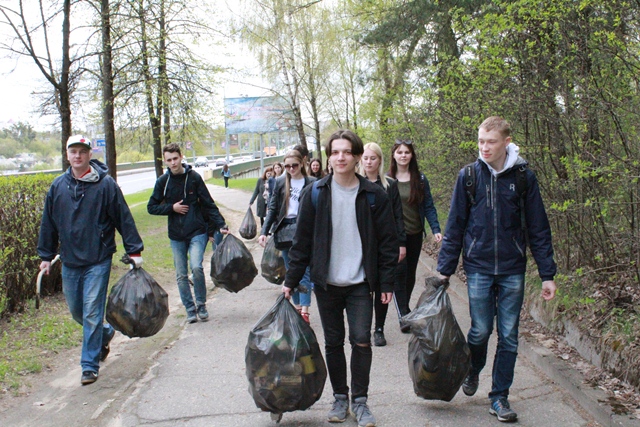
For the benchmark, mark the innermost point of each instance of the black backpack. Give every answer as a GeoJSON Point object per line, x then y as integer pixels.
{"type": "Point", "coordinates": [521, 189]}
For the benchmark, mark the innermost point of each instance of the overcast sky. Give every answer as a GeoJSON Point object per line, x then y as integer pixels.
{"type": "Point", "coordinates": [20, 78]}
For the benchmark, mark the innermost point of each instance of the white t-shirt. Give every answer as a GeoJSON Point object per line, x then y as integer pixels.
{"type": "Point", "coordinates": [294, 198]}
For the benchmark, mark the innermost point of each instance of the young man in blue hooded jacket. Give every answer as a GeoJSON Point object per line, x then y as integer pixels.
{"type": "Point", "coordinates": [492, 232]}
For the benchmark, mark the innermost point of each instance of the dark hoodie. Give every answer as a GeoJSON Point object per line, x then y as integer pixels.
{"type": "Point", "coordinates": [82, 215]}
{"type": "Point", "coordinates": [203, 215]}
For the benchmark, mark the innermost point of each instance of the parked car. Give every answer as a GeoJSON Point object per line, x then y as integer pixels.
{"type": "Point", "coordinates": [221, 162]}
{"type": "Point", "coordinates": [270, 151]}
{"type": "Point", "coordinates": [202, 161]}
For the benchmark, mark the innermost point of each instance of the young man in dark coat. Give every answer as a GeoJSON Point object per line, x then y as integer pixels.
{"type": "Point", "coordinates": [347, 236]}
{"type": "Point", "coordinates": [83, 209]}
{"type": "Point", "coordinates": [493, 229]}
{"type": "Point", "coordinates": [193, 219]}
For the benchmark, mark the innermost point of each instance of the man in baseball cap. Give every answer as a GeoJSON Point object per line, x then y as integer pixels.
{"type": "Point", "coordinates": [83, 209]}
{"type": "Point", "coordinates": [79, 140]}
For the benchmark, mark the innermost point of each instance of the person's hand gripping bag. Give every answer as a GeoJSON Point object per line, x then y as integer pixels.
{"type": "Point", "coordinates": [232, 266]}
{"type": "Point", "coordinates": [439, 357]}
{"type": "Point", "coordinates": [284, 364]}
{"type": "Point", "coordinates": [137, 305]}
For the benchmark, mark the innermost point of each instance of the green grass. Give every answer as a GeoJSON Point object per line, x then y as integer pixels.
{"type": "Point", "coordinates": [246, 184]}
{"type": "Point", "coordinates": [28, 340]}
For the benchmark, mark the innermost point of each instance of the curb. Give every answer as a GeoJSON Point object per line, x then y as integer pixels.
{"type": "Point", "coordinates": [592, 400]}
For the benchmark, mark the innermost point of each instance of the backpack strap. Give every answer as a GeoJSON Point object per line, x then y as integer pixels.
{"type": "Point", "coordinates": [371, 197]}
{"type": "Point", "coordinates": [470, 183]}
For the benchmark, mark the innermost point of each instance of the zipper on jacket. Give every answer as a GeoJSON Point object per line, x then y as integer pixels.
{"type": "Point", "coordinates": [471, 247]}
{"type": "Point", "coordinates": [494, 206]}
{"type": "Point", "coordinates": [518, 246]}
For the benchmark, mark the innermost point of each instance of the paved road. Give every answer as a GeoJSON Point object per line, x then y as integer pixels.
{"type": "Point", "coordinates": [194, 375]}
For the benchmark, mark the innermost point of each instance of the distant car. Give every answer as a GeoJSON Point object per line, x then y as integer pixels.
{"type": "Point", "coordinates": [221, 162]}
{"type": "Point", "coordinates": [230, 159]}
{"type": "Point", "coordinates": [202, 161]}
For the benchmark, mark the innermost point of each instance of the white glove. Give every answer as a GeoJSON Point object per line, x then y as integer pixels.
{"type": "Point", "coordinates": [136, 261]}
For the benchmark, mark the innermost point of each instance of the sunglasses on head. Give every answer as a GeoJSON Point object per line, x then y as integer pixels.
{"type": "Point", "coordinates": [291, 166]}
{"type": "Point", "coordinates": [403, 141]}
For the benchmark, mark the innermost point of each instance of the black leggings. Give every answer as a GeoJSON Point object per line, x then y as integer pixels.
{"type": "Point", "coordinates": [405, 281]}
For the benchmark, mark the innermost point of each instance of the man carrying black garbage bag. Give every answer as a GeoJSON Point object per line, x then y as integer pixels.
{"type": "Point", "coordinates": [193, 219]}
{"type": "Point", "coordinates": [347, 236]}
{"type": "Point", "coordinates": [82, 211]}
{"type": "Point", "coordinates": [496, 208]}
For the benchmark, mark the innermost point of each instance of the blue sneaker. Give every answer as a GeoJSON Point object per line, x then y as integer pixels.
{"type": "Point", "coordinates": [203, 314]}
{"type": "Point", "coordinates": [503, 411]}
{"type": "Point", "coordinates": [339, 409]}
{"type": "Point", "coordinates": [362, 412]}
{"type": "Point", "coordinates": [191, 317]}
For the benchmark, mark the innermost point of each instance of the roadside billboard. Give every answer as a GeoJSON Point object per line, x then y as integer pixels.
{"type": "Point", "coordinates": [257, 115]}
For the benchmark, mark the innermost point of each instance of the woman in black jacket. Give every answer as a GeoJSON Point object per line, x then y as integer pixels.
{"type": "Point", "coordinates": [282, 218]}
{"type": "Point", "coordinates": [372, 167]}
{"type": "Point", "coordinates": [259, 193]}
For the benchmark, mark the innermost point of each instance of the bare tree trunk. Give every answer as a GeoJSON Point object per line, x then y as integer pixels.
{"type": "Point", "coordinates": [63, 87]}
{"type": "Point", "coordinates": [162, 74]}
{"type": "Point", "coordinates": [154, 119]}
{"type": "Point", "coordinates": [107, 90]}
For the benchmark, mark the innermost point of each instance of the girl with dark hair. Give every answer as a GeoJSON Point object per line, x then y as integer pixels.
{"type": "Point", "coordinates": [316, 169]}
{"type": "Point", "coordinates": [281, 219]}
{"type": "Point", "coordinates": [417, 205]}
{"type": "Point", "coordinates": [259, 192]}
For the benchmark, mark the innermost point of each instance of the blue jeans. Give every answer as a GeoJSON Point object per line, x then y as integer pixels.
{"type": "Point", "coordinates": [357, 301]}
{"type": "Point", "coordinates": [193, 248]}
{"type": "Point", "coordinates": [302, 299]}
{"type": "Point", "coordinates": [85, 289]}
{"type": "Point", "coordinates": [501, 297]}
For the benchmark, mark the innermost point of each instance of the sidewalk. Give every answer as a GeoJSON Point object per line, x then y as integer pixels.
{"type": "Point", "coordinates": [194, 375]}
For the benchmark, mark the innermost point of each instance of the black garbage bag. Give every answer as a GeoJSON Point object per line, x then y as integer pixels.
{"type": "Point", "coordinates": [232, 265]}
{"type": "Point", "coordinates": [284, 365]}
{"type": "Point", "coordinates": [137, 305]}
{"type": "Point", "coordinates": [439, 357]}
{"type": "Point", "coordinates": [272, 264]}
{"type": "Point", "coordinates": [248, 227]}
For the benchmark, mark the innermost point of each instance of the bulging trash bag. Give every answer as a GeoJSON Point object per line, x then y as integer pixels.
{"type": "Point", "coordinates": [248, 227]}
{"type": "Point", "coordinates": [137, 305]}
{"type": "Point", "coordinates": [285, 368]}
{"type": "Point", "coordinates": [439, 357]}
{"type": "Point", "coordinates": [272, 264]}
{"type": "Point", "coordinates": [232, 265]}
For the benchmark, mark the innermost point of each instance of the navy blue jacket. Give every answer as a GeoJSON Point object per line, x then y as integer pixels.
{"type": "Point", "coordinates": [82, 217]}
{"type": "Point", "coordinates": [312, 242]}
{"type": "Point", "coordinates": [203, 215]}
{"type": "Point", "coordinates": [490, 233]}
{"type": "Point", "coordinates": [427, 208]}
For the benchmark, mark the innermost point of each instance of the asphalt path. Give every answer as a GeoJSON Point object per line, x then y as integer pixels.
{"type": "Point", "coordinates": [194, 375]}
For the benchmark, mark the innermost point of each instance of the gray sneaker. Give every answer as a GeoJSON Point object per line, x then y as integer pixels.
{"type": "Point", "coordinates": [362, 413]}
{"type": "Point", "coordinates": [191, 317]}
{"type": "Point", "coordinates": [339, 410]}
{"type": "Point", "coordinates": [203, 314]}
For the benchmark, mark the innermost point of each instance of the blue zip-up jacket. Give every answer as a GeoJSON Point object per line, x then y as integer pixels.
{"type": "Point", "coordinates": [203, 215]}
{"type": "Point", "coordinates": [82, 218]}
{"type": "Point", "coordinates": [427, 208]}
{"type": "Point", "coordinates": [490, 232]}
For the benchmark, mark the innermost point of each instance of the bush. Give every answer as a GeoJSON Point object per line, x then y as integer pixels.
{"type": "Point", "coordinates": [20, 215]}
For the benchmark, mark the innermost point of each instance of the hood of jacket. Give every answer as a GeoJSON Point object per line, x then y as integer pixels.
{"type": "Point", "coordinates": [513, 159]}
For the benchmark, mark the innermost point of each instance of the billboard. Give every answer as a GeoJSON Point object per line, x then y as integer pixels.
{"type": "Point", "coordinates": [257, 115]}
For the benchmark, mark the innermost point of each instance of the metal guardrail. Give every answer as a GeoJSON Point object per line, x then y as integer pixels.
{"type": "Point", "coordinates": [236, 168]}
